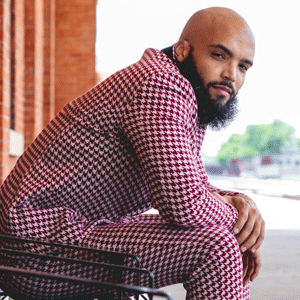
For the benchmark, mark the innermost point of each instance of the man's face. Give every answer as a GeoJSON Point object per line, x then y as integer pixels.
{"type": "Point", "coordinates": [222, 60]}
{"type": "Point", "coordinates": [216, 66]}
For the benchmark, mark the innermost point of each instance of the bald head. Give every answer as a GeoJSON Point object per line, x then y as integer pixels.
{"type": "Point", "coordinates": [216, 48]}
{"type": "Point", "coordinates": [215, 21]}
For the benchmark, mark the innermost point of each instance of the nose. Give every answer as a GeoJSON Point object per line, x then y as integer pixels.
{"type": "Point", "coordinates": [229, 73]}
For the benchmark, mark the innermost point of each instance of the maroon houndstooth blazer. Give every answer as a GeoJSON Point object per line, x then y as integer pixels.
{"type": "Point", "coordinates": [130, 143]}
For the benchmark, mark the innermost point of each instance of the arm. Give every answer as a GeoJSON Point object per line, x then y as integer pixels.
{"type": "Point", "coordinates": [157, 125]}
{"type": "Point", "coordinates": [251, 259]}
{"type": "Point", "coordinates": [250, 226]}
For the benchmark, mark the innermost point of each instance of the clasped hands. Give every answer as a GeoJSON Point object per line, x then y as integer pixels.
{"type": "Point", "coordinates": [249, 231]}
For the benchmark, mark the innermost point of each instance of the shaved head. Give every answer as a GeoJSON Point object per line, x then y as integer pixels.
{"type": "Point", "coordinates": [214, 52]}
{"type": "Point", "coordinates": [214, 21]}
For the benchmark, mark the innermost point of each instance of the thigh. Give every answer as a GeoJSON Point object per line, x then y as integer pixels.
{"type": "Point", "coordinates": [170, 252]}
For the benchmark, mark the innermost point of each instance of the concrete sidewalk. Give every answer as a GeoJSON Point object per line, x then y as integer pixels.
{"type": "Point", "coordinates": [279, 277]}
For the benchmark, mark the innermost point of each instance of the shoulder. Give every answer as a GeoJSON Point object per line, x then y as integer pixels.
{"type": "Point", "coordinates": [165, 84]}
{"type": "Point", "coordinates": [161, 70]}
{"type": "Point", "coordinates": [163, 91]}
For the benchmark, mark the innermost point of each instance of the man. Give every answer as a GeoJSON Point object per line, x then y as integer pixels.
{"type": "Point", "coordinates": [133, 142]}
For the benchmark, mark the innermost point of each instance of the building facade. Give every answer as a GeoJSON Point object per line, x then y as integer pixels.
{"type": "Point", "coordinates": [47, 58]}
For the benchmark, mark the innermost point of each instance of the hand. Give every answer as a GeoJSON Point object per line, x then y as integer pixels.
{"type": "Point", "coordinates": [250, 226]}
{"type": "Point", "coordinates": [251, 266]}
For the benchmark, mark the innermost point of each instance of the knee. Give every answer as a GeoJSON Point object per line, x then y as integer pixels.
{"type": "Point", "coordinates": [224, 238]}
{"type": "Point", "coordinates": [223, 246]}
{"type": "Point", "coordinates": [218, 239]}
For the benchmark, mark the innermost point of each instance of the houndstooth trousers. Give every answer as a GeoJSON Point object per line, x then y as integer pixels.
{"type": "Point", "coordinates": [129, 144]}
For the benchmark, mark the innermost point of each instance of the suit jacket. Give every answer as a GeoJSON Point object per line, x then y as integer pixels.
{"type": "Point", "coordinates": [130, 143]}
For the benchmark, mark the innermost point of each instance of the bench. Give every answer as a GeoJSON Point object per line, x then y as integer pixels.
{"type": "Point", "coordinates": [35, 269]}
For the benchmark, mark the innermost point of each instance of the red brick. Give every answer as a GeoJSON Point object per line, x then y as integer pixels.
{"type": "Point", "coordinates": [75, 38]}
{"type": "Point", "coordinates": [54, 63]}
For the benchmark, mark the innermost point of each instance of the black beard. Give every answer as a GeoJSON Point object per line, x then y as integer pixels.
{"type": "Point", "coordinates": [211, 112]}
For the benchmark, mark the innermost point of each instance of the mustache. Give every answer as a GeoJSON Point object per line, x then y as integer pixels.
{"type": "Point", "coordinates": [224, 83]}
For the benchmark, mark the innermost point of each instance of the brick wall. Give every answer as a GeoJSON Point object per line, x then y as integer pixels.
{"type": "Point", "coordinates": [34, 67]}
{"type": "Point", "coordinates": [75, 49]}
{"type": "Point", "coordinates": [4, 83]}
{"type": "Point", "coordinates": [19, 66]}
{"type": "Point", "coordinates": [47, 58]}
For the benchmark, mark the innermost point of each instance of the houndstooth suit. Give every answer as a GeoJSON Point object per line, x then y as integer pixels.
{"type": "Point", "coordinates": [130, 143]}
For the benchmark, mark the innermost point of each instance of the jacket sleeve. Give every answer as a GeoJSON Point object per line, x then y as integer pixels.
{"type": "Point", "coordinates": [157, 124]}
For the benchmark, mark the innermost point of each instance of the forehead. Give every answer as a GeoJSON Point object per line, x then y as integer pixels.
{"type": "Point", "coordinates": [239, 40]}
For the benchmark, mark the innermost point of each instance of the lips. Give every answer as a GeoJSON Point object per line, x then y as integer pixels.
{"type": "Point", "coordinates": [223, 90]}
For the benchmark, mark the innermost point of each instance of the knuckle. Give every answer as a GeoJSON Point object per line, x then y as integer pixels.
{"type": "Point", "coordinates": [245, 205]}
{"type": "Point", "coordinates": [243, 215]}
{"type": "Point", "coordinates": [256, 232]}
{"type": "Point", "coordinates": [258, 243]}
{"type": "Point", "coordinates": [250, 227]}
{"type": "Point", "coordinates": [262, 235]}
{"type": "Point", "coordinates": [250, 243]}
{"type": "Point", "coordinates": [239, 239]}
{"type": "Point", "coordinates": [254, 212]}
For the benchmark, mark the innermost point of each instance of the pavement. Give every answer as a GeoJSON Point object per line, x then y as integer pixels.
{"type": "Point", "coordinates": [279, 278]}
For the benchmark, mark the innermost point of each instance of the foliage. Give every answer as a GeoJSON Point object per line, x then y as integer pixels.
{"type": "Point", "coordinates": [258, 139]}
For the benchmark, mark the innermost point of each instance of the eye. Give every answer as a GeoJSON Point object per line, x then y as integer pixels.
{"type": "Point", "coordinates": [218, 55]}
{"type": "Point", "coordinates": [244, 67]}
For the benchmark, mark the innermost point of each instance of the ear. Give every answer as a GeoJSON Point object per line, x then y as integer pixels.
{"type": "Point", "coordinates": [182, 50]}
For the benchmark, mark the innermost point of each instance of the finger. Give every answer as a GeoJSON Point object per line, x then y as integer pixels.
{"type": "Point", "coordinates": [250, 271]}
{"type": "Point", "coordinates": [244, 209]}
{"type": "Point", "coordinates": [257, 266]}
{"type": "Point", "coordinates": [251, 240]}
{"type": "Point", "coordinates": [260, 238]}
{"type": "Point", "coordinates": [245, 265]}
{"type": "Point", "coordinates": [256, 237]}
{"type": "Point", "coordinates": [246, 232]}
{"type": "Point", "coordinates": [241, 221]}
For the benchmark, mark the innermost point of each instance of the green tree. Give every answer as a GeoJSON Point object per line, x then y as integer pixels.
{"type": "Point", "coordinates": [235, 147]}
{"type": "Point", "coordinates": [258, 139]}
